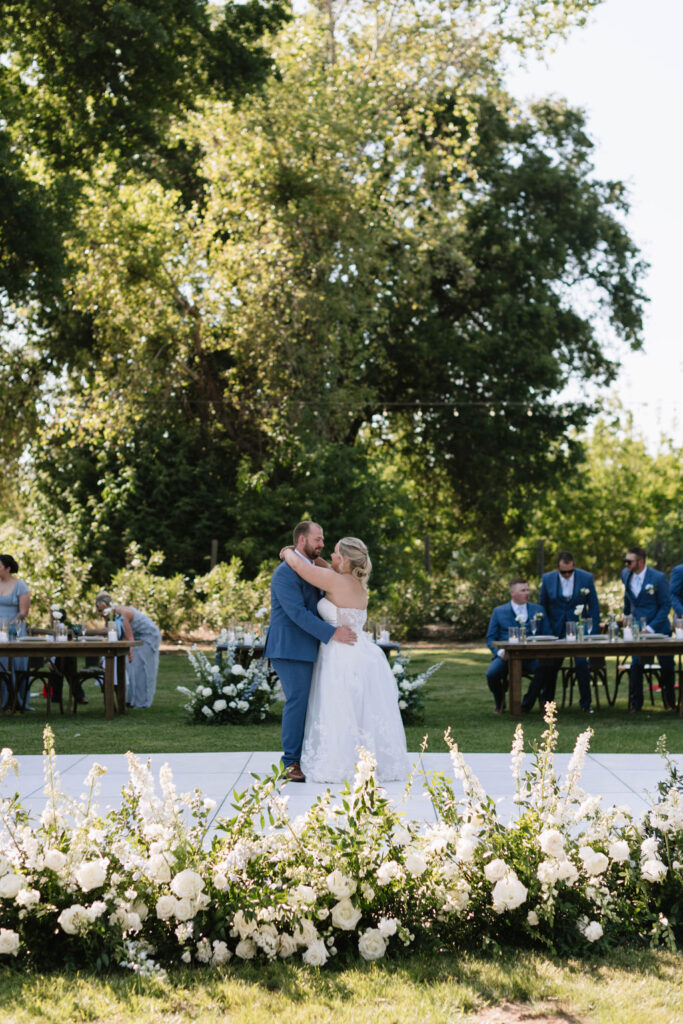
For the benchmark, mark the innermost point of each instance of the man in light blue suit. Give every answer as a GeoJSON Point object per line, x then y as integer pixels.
{"type": "Point", "coordinates": [518, 610]}
{"type": "Point", "coordinates": [647, 599]}
{"type": "Point", "coordinates": [294, 633]}
{"type": "Point", "coordinates": [567, 594]}
{"type": "Point", "coordinates": [676, 583]}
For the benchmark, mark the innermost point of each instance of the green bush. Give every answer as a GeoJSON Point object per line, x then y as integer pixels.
{"type": "Point", "coordinates": [224, 595]}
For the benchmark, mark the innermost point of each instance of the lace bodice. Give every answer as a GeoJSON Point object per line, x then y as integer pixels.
{"type": "Point", "coordinates": [353, 617]}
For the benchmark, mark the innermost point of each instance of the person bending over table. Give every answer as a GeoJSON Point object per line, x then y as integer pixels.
{"type": "Point", "coordinates": [676, 585]}
{"type": "Point", "coordinates": [567, 594]}
{"type": "Point", "coordinates": [141, 677]}
{"type": "Point", "coordinates": [518, 611]}
{"type": "Point", "coordinates": [647, 599]}
{"type": "Point", "coordinates": [15, 602]}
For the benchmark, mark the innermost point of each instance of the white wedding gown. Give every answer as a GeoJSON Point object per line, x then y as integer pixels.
{"type": "Point", "coordinates": [353, 703]}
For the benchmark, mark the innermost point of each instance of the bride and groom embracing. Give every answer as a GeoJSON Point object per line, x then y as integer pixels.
{"type": "Point", "coordinates": [340, 693]}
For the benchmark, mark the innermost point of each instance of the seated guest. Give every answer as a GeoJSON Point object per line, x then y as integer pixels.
{"type": "Point", "coordinates": [64, 668]}
{"type": "Point", "coordinates": [647, 599]}
{"type": "Point", "coordinates": [143, 668]}
{"type": "Point", "coordinates": [516, 612]}
{"type": "Point", "coordinates": [676, 583]}
{"type": "Point", "coordinates": [567, 594]}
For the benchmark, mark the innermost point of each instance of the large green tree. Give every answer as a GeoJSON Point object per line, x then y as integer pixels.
{"type": "Point", "coordinates": [375, 249]}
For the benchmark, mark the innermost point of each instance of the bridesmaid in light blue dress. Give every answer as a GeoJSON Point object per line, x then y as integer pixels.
{"type": "Point", "coordinates": [143, 661]}
{"type": "Point", "coordinates": [15, 601]}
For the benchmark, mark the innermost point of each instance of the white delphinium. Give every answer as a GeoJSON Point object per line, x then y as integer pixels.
{"type": "Point", "coordinates": [474, 792]}
{"type": "Point", "coordinates": [517, 757]}
{"type": "Point", "coordinates": [366, 766]}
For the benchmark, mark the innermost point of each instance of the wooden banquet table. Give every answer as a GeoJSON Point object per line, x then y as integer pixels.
{"type": "Point", "coordinates": [603, 648]}
{"type": "Point", "coordinates": [114, 653]}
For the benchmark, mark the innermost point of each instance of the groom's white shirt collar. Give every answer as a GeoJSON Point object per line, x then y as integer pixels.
{"type": "Point", "coordinates": [297, 552]}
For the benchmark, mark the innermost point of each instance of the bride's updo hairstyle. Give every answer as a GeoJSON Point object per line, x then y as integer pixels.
{"type": "Point", "coordinates": [359, 559]}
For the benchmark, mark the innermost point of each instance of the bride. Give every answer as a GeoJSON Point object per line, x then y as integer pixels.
{"type": "Point", "coordinates": [354, 699]}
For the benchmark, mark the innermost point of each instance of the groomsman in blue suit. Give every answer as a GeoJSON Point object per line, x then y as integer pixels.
{"type": "Point", "coordinates": [294, 633]}
{"type": "Point", "coordinates": [676, 582]}
{"type": "Point", "coordinates": [516, 612]}
{"type": "Point", "coordinates": [647, 596]}
{"type": "Point", "coordinates": [567, 594]}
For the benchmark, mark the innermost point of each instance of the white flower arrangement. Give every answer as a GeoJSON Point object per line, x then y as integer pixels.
{"type": "Point", "coordinates": [650, 589]}
{"type": "Point", "coordinates": [229, 692]}
{"type": "Point", "coordinates": [139, 886]}
{"type": "Point", "coordinates": [410, 700]}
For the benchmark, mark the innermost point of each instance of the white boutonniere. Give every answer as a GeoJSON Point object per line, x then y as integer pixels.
{"type": "Point", "coordinates": [584, 591]}
{"type": "Point", "coordinates": [538, 616]}
{"type": "Point", "coordinates": [650, 589]}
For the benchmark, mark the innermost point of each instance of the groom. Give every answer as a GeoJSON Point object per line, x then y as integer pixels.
{"type": "Point", "coordinates": [292, 643]}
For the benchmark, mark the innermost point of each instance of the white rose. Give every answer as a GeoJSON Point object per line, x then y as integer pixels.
{"type": "Point", "coordinates": [532, 918]}
{"type": "Point", "coordinates": [386, 926]}
{"type": "Point", "coordinates": [495, 870]}
{"type": "Point", "coordinates": [316, 954]}
{"type": "Point", "coordinates": [415, 863]}
{"type": "Point", "coordinates": [372, 945]}
{"type": "Point", "coordinates": [92, 874]}
{"type": "Point", "coordinates": [73, 919]}
{"type": "Point", "coordinates": [220, 705]}
{"type": "Point", "coordinates": [593, 931]}
{"type": "Point", "coordinates": [653, 870]}
{"type": "Point", "coordinates": [206, 691]}
{"type": "Point", "coordinates": [184, 909]}
{"type": "Point", "coordinates": [618, 851]}
{"type": "Point", "coordinates": [552, 842]}
{"type": "Point", "coordinates": [158, 869]}
{"type": "Point", "coordinates": [10, 885]}
{"type": "Point", "coordinates": [340, 885]}
{"type": "Point", "coordinates": [229, 690]}
{"type": "Point", "coordinates": [187, 884]}
{"type": "Point", "coordinates": [9, 942]}
{"type": "Point", "coordinates": [242, 705]}
{"type": "Point", "coordinates": [464, 849]}
{"type": "Point", "coordinates": [398, 669]}
{"type": "Point", "coordinates": [165, 907]}
{"type": "Point", "coordinates": [221, 953]}
{"type": "Point", "coordinates": [54, 860]}
{"type": "Point", "coordinates": [345, 915]}
{"type": "Point", "coordinates": [304, 894]}
{"type": "Point", "coordinates": [245, 949]}
{"type": "Point", "coordinates": [220, 881]}
{"type": "Point", "coordinates": [387, 871]}
{"type": "Point", "coordinates": [401, 837]}
{"type": "Point", "coordinates": [548, 871]}
{"type": "Point", "coordinates": [28, 897]}
{"type": "Point", "coordinates": [286, 946]}
{"type": "Point", "coordinates": [306, 934]}
{"type": "Point", "coordinates": [649, 848]}
{"type": "Point", "coordinates": [508, 893]}
{"type": "Point", "coordinates": [594, 863]}
{"type": "Point", "coordinates": [206, 711]}
{"type": "Point", "coordinates": [566, 871]}
{"type": "Point", "coordinates": [237, 670]}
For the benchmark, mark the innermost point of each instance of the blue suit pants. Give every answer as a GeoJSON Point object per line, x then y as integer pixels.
{"type": "Point", "coordinates": [583, 678]}
{"type": "Point", "coordinates": [666, 679]}
{"type": "Point", "coordinates": [295, 677]}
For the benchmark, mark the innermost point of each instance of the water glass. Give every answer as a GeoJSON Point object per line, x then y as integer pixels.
{"type": "Point", "coordinates": [570, 631]}
{"type": "Point", "coordinates": [4, 631]}
{"type": "Point", "coordinates": [643, 623]}
{"type": "Point", "coordinates": [678, 628]}
{"type": "Point", "coordinates": [588, 626]}
{"type": "Point", "coordinates": [612, 631]}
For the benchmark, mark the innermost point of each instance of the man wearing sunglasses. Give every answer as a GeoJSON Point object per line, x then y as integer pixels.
{"type": "Point", "coordinates": [568, 594]}
{"type": "Point", "coordinates": [647, 598]}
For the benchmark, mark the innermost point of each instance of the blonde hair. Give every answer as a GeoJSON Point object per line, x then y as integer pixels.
{"type": "Point", "coordinates": [359, 559]}
{"type": "Point", "coordinates": [105, 598]}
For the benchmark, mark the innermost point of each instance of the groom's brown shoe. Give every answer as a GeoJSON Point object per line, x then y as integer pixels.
{"type": "Point", "coordinates": [293, 773]}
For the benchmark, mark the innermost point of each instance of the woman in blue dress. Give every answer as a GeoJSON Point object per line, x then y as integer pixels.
{"type": "Point", "coordinates": [143, 667]}
{"type": "Point", "coordinates": [15, 601]}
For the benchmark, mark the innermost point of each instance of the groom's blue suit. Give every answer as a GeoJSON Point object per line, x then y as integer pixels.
{"type": "Point", "coordinates": [294, 634]}
{"type": "Point", "coordinates": [676, 584]}
{"type": "Point", "coordinates": [496, 675]}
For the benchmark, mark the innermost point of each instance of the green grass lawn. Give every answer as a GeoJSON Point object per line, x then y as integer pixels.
{"type": "Point", "coordinates": [624, 987]}
{"type": "Point", "coordinates": [456, 696]}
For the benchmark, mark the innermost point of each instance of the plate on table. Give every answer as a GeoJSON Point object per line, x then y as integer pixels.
{"type": "Point", "coordinates": [540, 636]}
{"type": "Point", "coordinates": [36, 639]}
{"type": "Point", "coordinates": [597, 638]}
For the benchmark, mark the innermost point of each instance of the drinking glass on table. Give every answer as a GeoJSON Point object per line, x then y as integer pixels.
{"type": "Point", "coordinates": [587, 627]}
{"type": "Point", "coordinates": [678, 628]}
{"type": "Point", "coordinates": [643, 624]}
{"type": "Point", "coordinates": [533, 626]}
{"type": "Point", "coordinates": [513, 634]}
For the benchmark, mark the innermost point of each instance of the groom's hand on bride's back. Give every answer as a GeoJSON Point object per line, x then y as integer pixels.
{"type": "Point", "coordinates": [344, 635]}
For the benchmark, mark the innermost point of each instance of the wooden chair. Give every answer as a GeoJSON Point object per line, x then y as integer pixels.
{"type": "Point", "coordinates": [598, 676]}
{"type": "Point", "coordinates": [651, 674]}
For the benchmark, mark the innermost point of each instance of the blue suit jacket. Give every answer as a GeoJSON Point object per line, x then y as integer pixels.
{"type": "Point", "coordinates": [560, 610]}
{"type": "Point", "coordinates": [653, 601]}
{"type": "Point", "coordinates": [295, 627]}
{"type": "Point", "coordinates": [503, 617]}
{"type": "Point", "coordinates": [677, 589]}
